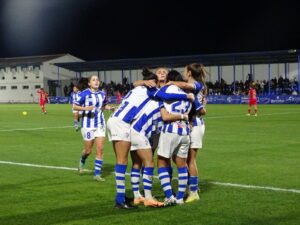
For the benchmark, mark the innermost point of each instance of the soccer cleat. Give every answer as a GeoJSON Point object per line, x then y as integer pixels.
{"type": "Point", "coordinates": [139, 200]}
{"type": "Point", "coordinates": [248, 114]}
{"type": "Point", "coordinates": [153, 203]}
{"type": "Point", "coordinates": [81, 167]}
{"type": "Point", "coordinates": [193, 196]}
{"type": "Point", "coordinates": [255, 114]}
{"type": "Point", "coordinates": [170, 201]}
{"type": "Point", "coordinates": [124, 205]}
{"type": "Point", "coordinates": [179, 201]}
{"type": "Point", "coordinates": [98, 178]}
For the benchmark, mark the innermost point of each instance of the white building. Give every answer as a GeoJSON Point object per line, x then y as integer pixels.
{"type": "Point", "coordinates": [21, 77]}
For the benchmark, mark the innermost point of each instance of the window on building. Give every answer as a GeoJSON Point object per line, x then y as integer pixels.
{"type": "Point", "coordinates": [25, 87]}
{"type": "Point", "coordinates": [14, 78]}
{"type": "Point", "coordinates": [14, 87]}
{"type": "Point", "coordinates": [37, 86]}
{"type": "Point", "coordinates": [37, 77]}
{"type": "Point", "coordinates": [25, 77]}
{"type": "Point", "coordinates": [3, 78]}
{"type": "Point", "coordinates": [2, 87]}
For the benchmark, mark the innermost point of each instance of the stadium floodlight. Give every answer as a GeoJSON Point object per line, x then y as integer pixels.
{"type": "Point", "coordinates": [292, 51]}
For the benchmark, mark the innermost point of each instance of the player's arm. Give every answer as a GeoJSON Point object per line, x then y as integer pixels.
{"type": "Point", "coordinates": [147, 83]}
{"type": "Point", "coordinates": [183, 85]}
{"type": "Point", "coordinates": [79, 102]}
{"type": "Point", "coordinates": [163, 96]}
{"type": "Point", "coordinates": [196, 86]}
{"type": "Point", "coordinates": [83, 108]}
{"type": "Point", "coordinates": [168, 117]}
{"type": "Point", "coordinates": [109, 107]}
{"type": "Point", "coordinates": [200, 106]}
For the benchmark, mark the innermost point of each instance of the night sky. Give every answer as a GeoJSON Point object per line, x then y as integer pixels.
{"type": "Point", "coordinates": [108, 29]}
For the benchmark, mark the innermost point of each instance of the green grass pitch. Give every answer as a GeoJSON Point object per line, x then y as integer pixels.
{"type": "Point", "coordinates": [262, 151]}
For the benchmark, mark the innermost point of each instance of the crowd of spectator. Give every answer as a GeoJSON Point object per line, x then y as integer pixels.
{"type": "Point", "coordinates": [277, 86]}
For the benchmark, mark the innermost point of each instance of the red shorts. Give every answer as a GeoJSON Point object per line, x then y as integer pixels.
{"type": "Point", "coordinates": [252, 102]}
{"type": "Point", "coordinates": [42, 102]}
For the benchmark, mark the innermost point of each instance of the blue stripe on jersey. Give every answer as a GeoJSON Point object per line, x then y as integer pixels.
{"type": "Point", "coordinates": [177, 107]}
{"type": "Point", "coordinates": [198, 87]}
{"type": "Point", "coordinates": [134, 111]}
{"type": "Point", "coordinates": [198, 121]}
{"type": "Point", "coordinates": [94, 118]}
{"type": "Point", "coordinates": [180, 131]}
{"type": "Point", "coordinates": [162, 95]}
{"type": "Point", "coordinates": [144, 119]}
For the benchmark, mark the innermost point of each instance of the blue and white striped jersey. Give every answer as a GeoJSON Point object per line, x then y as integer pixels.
{"type": "Point", "coordinates": [176, 107]}
{"type": "Point", "coordinates": [73, 97]}
{"type": "Point", "coordinates": [94, 118]}
{"type": "Point", "coordinates": [132, 103]}
{"type": "Point", "coordinates": [136, 100]}
{"type": "Point", "coordinates": [198, 120]}
{"type": "Point", "coordinates": [149, 121]}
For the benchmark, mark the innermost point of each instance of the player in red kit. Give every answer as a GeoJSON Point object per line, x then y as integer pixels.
{"type": "Point", "coordinates": [252, 100]}
{"type": "Point", "coordinates": [43, 99]}
{"type": "Point", "coordinates": [118, 97]}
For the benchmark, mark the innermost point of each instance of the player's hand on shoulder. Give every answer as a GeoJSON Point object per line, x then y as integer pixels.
{"type": "Point", "coordinates": [150, 83]}
{"type": "Point", "coordinates": [191, 97]}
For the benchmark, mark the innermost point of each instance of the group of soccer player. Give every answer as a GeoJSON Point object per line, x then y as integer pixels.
{"type": "Point", "coordinates": [164, 112]}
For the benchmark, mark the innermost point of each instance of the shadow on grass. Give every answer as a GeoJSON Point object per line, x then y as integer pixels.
{"type": "Point", "coordinates": [91, 211]}
{"type": "Point", "coordinates": [108, 169]}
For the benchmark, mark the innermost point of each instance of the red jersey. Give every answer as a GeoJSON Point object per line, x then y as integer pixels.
{"type": "Point", "coordinates": [252, 94]}
{"type": "Point", "coordinates": [118, 97]}
{"type": "Point", "coordinates": [43, 95]}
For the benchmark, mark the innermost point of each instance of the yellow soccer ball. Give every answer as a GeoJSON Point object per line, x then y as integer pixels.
{"type": "Point", "coordinates": [24, 113]}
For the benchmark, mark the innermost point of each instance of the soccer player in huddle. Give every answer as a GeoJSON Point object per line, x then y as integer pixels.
{"type": "Point", "coordinates": [195, 74]}
{"type": "Point", "coordinates": [174, 142]}
{"type": "Point", "coordinates": [44, 98]}
{"type": "Point", "coordinates": [145, 126]}
{"type": "Point", "coordinates": [92, 103]}
{"type": "Point", "coordinates": [252, 99]}
{"type": "Point", "coordinates": [119, 132]}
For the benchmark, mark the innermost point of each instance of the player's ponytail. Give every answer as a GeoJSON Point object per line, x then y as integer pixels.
{"type": "Point", "coordinates": [148, 74]}
{"type": "Point", "coordinates": [199, 73]}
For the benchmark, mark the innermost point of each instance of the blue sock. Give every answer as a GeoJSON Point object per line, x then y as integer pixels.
{"type": "Point", "coordinates": [193, 180]}
{"type": "Point", "coordinates": [83, 158]}
{"type": "Point", "coordinates": [98, 166]}
{"type": "Point", "coordinates": [182, 181]}
{"type": "Point", "coordinates": [120, 183]}
{"type": "Point", "coordinates": [164, 178]}
{"type": "Point", "coordinates": [135, 182]}
{"type": "Point", "coordinates": [75, 124]}
{"type": "Point", "coordinates": [147, 181]}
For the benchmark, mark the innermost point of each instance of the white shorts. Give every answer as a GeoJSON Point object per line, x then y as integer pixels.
{"type": "Point", "coordinates": [173, 144]}
{"type": "Point", "coordinates": [138, 141]}
{"type": "Point", "coordinates": [197, 136]}
{"type": "Point", "coordinates": [118, 130]}
{"type": "Point", "coordinates": [89, 134]}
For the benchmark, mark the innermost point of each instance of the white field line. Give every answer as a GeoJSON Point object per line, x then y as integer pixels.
{"type": "Point", "coordinates": [37, 128]}
{"type": "Point", "coordinates": [40, 166]}
{"type": "Point", "coordinates": [207, 117]}
{"type": "Point", "coordinates": [211, 182]}
{"type": "Point", "coordinates": [259, 115]}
